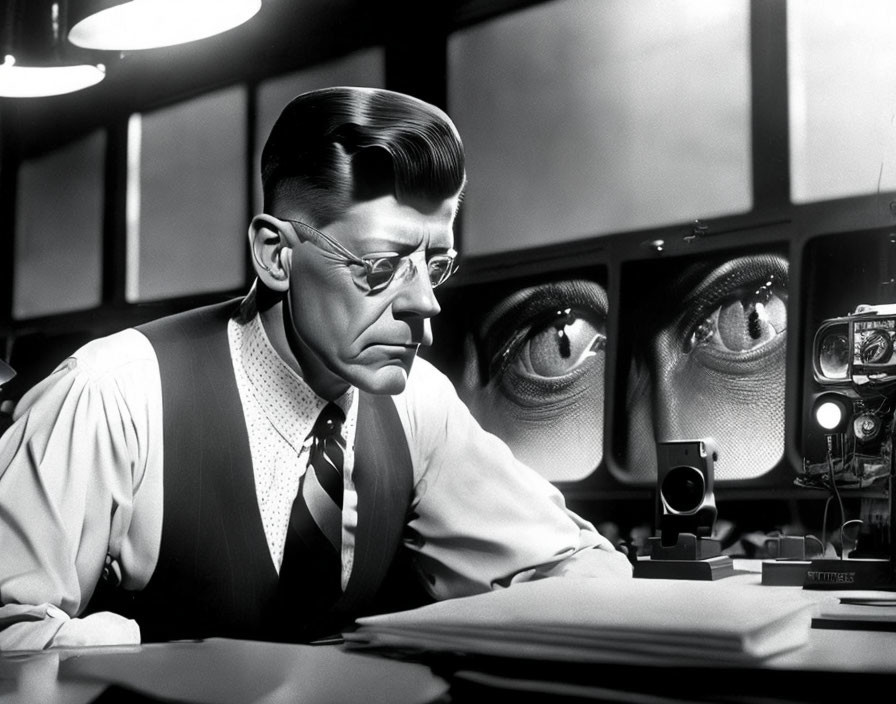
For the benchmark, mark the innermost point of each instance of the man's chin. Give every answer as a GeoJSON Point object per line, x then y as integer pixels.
{"type": "Point", "coordinates": [388, 380]}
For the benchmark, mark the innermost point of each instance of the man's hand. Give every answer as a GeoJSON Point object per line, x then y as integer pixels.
{"type": "Point", "coordinates": [101, 628]}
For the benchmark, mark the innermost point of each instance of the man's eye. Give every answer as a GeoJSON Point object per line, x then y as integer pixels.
{"type": "Point", "coordinates": [744, 322]}
{"type": "Point", "coordinates": [381, 264]}
{"type": "Point", "coordinates": [379, 270]}
{"type": "Point", "coordinates": [559, 346]}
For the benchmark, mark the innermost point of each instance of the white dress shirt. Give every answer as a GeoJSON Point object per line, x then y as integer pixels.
{"type": "Point", "coordinates": [81, 475]}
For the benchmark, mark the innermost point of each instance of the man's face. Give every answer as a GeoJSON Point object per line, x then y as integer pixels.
{"type": "Point", "coordinates": [370, 339]}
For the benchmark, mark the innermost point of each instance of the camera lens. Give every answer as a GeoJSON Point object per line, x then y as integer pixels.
{"type": "Point", "coordinates": [833, 356]}
{"type": "Point", "coordinates": [683, 488]}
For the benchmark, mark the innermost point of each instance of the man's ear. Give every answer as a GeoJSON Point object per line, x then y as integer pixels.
{"type": "Point", "coordinates": [271, 251]}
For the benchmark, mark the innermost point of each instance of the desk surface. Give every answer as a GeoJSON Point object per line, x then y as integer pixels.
{"type": "Point", "coordinates": [220, 671]}
{"type": "Point", "coordinates": [216, 671]}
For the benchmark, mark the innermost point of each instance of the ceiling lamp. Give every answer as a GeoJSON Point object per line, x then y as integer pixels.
{"type": "Point", "coordinates": [37, 81]}
{"type": "Point", "coordinates": [36, 60]}
{"type": "Point", "coordinates": [125, 25]}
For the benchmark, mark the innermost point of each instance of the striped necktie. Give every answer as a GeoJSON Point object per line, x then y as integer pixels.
{"type": "Point", "coordinates": [322, 483]}
{"type": "Point", "coordinates": [311, 571]}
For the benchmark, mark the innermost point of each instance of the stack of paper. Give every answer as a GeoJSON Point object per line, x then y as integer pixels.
{"type": "Point", "coordinates": [596, 620]}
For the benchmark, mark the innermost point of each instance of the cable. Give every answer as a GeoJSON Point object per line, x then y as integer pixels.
{"type": "Point", "coordinates": [824, 525]}
{"type": "Point", "coordinates": [836, 491]}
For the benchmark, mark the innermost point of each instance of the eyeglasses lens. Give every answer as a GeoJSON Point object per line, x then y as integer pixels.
{"type": "Point", "coordinates": [440, 268]}
{"type": "Point", "coordinates": [380, 272]}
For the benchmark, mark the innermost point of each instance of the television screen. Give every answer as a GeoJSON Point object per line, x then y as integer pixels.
{"type": "Point", "coordinates": [702, 344]}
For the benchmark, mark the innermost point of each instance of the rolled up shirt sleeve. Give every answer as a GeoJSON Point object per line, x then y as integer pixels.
{"type": "Point", "coordinates": [72, 467]}
{"type": "Point", "coordinates": [482, 519]}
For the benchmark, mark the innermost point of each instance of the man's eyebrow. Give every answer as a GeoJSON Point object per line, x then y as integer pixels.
{"type": "Point", "coordinates": [387, 244]}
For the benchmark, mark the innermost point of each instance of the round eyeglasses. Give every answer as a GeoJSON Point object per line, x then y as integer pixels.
{"type": "Point", "coordinates": [380, 269]}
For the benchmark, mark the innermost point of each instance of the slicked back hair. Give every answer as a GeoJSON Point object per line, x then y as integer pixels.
{"type": "Point", "coordinates": [336, 146]}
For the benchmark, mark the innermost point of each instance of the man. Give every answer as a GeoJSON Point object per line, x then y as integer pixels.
{"type": "Point", "coordinates": [274, 467]}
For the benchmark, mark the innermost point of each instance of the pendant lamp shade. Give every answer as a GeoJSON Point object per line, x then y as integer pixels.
{"type": "Point", "coordinates": [38, 81]}
{"type": "Point", "coordinates": [35, 58]}
{"type": "Point", "coordinates": [125, 25]}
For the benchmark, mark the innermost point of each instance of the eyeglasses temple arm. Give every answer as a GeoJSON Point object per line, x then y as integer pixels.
{"type": "Point", "coordinates": [355, 259]}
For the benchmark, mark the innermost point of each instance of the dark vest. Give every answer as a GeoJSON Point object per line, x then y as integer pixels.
{"type": "Point", "coordinates": [215, 576]}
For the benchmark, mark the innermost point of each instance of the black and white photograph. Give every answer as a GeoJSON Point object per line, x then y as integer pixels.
{"type": "Point", "coordinates": [447, 351]}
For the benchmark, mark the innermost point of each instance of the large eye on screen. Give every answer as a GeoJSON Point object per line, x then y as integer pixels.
{"type": "Point", "coordinates": [737, 312]}
{"type": "Point", "coordinates": [715, 366]}
{"type": "Point", "coordinates": [534, 375]}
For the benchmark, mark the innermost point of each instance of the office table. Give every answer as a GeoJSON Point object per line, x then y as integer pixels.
{"type": "Point", "coordinates": [833, 665]}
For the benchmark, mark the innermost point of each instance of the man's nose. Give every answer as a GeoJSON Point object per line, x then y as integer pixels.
{"type": "Point", "coordinates": [415, 295]}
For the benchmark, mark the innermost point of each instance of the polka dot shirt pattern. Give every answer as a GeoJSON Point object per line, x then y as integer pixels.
{"type": "Point", "coordinates": [280, 410]}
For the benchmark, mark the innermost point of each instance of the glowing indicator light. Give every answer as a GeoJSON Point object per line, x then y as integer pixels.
{"type": "Point", "coordinates": [829, 415]}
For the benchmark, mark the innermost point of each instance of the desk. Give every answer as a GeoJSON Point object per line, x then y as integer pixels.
{"type": "Point", "coordinates": [220, 671]}
{"type": "Point", "coordinates": [216, 671]}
